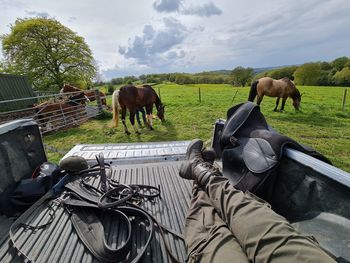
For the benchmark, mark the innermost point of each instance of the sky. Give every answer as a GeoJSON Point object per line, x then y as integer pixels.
{"type": "Point", "coordinates": [134, 37]}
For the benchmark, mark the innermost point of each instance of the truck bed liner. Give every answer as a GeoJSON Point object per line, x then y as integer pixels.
{"type": "Point", "coordinates": [59, 242]}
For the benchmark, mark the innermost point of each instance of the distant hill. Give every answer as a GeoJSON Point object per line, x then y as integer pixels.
{"type": "Point", "coordinates": [228, 72]}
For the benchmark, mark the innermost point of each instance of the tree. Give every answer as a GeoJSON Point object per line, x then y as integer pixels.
{"type": "Point", "coordinates": [325, 65]}
{"type": "Point", "coordinates": [49, 53]}
{"type": "Point", "coordinates": [342, 77]}
{"type": "Point", "coordinates": [2, 67]}
{"type": "Point", "coordinates": [308, 74]}
{"type": "Point", "coordinates": [117, 81]}
{"type": "Point", "coordinates": [241, 75]}
{"type": "Point", "coordinates": [339, 63]}
{"type": "Point", "coordinates": [282, 73]}
{"type": "Point", "coordinates": [129, 79]}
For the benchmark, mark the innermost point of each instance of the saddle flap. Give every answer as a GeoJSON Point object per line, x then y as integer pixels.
{"type": "Point", "coordinates": [238, 116]}
{"type": "Point", "coordinates": [255, 154]}
{"type": "Point", "coordinates": [258, 155]}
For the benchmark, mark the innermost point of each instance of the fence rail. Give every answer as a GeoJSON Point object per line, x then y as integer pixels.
{"type": "Point", "coordinates": [54, 111]}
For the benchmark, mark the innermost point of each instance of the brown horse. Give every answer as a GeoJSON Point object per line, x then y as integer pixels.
{"type": "Point", "coordinates": [131, 97]}
{"type": "Point", "coordinates": [54, 114]}
{"type": "Point", "coordinates": [282, 88]}
{"type": "Point", "coordinates": [90, 94]}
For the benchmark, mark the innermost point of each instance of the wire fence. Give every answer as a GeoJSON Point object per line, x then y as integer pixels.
{"type": "Point", "coordinates": [54, 112]}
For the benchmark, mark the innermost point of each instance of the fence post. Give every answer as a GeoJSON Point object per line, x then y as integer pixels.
{"type": "Point", "coordinates": [233, 98]}
{"type": "Point", "coordinates": [199, 95]}
{"type": "Point", "coordinates": [344, 99]}
{"type": "Point", "coordinates": [98, 100]}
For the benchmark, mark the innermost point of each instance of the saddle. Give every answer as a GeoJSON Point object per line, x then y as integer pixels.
{"type": "Point", "coordinates": [252, 150]}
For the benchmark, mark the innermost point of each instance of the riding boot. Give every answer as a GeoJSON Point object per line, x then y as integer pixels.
{"type": "Point", "coordinates": [197, 168]}
{"type": "Point", "coordinates": [208, 155]}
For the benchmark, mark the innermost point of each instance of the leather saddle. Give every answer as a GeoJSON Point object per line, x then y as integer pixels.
{"type": "Point", "coordinates": [252, 150]}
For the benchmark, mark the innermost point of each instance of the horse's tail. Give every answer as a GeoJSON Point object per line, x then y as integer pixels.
{"type": "Point", "coordinates": [253, 91]}
{"type": "Point", "coordinates": [115, 106]}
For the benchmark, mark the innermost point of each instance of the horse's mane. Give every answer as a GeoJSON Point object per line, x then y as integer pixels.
{"type": "Point", "coordinates": [296, 94]}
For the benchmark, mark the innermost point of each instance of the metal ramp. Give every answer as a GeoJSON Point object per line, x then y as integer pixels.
{"type": "Point", "coordinates": [133, 153]}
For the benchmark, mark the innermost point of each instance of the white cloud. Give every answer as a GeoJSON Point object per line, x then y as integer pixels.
{"type": "Point", "coordinates": [141, 37]}
{"type": "Point", "coordinates": [169, 6]}
{"type": "Point", "coordinates": [38, 14]}
{"type": "Point", "coordinates": [207, 10]}
{"type": "Point", "coordinates": [149, 49]}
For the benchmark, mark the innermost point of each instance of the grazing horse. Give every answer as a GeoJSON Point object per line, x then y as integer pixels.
{"type": "Point", "coordinates": [53, 115]}
{"type": "Point", "coordinates": [282, 88]}
{"type": "Point", "coordinates": [131, 98]}
{"type": "Point", "coordinates": [90, 94]}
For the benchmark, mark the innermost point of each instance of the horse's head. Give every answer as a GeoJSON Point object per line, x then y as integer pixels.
{"type": "Point", "coordinates": [160, 112]}
{"type": "Point", "coordinates": [79, 98]}
{"type": "Point", "coordinates": [296, 99]}
{"type": "Point", "coordinates": [69, 88]}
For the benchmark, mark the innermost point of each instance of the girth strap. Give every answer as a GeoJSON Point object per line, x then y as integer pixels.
{"type": "Point", "coordinates": [91, 232]}
{"type": "Point", "coordinates": [87, 202]}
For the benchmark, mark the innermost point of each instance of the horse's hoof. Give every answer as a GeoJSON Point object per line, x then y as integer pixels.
{"type": "Point", "coordinates": [138, 133]}
{"type": "Point", "coordinates": [151, 128]}
{"type": "Point", "coordinates": [127, 133]}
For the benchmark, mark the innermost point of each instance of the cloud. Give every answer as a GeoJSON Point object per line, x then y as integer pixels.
{"type": "Point", "coordinates": [72, 18]}
{"type": "Point", "coordinates": [207, 10]}
{"type": "Point", "coordinates": [38, 14]}
{"type": "Point", "coordinates": [156, 47]}
{"type": "Point", "coordinates": [292, 33]}
{"type": "Point", "coordinates": [169, 6]}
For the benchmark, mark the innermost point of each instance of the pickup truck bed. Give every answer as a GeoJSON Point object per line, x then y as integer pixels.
{"type": "Point", "coordinates": [148, 163]}
{"type": "Point", "coordinates": [313, 195]}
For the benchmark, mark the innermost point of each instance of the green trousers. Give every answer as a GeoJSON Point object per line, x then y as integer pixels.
{"type": "Point", "coordinates": [227, 225]}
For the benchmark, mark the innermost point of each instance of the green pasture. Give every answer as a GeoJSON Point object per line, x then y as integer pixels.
{"type": "Point", "coordinates": [321, 122]}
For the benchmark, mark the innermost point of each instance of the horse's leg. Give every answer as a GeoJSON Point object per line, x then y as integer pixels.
{"type": "Point", "coordinates": [259, 99]}
{"type": "Point", "coordinates": [277, 102]}
{"type": "Point", "coordinates": [137, 114]}
{"type": "Point", "coordinates": [142, 110]}
{"type": "Point", "coordinates": [149, 116]}
{"type": "Point", "coordinates": [132, 120]}
{"type": "Point", "coordinates": [123, 120]}
{"type": "Point", "coordinates": [283, 102]}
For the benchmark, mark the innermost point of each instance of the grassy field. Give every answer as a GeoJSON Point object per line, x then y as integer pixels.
{"type": "Point", "coordinates": [321, 123]}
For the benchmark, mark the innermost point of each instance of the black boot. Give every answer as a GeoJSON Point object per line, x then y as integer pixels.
{"type": "Point", "coordinates": [199, 164]}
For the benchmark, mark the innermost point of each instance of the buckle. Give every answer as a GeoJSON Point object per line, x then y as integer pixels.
{"type": "Point", "coordinates": [234, 141]}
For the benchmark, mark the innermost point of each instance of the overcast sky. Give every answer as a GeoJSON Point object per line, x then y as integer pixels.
{"type": "Point", "coordinates": [133, 37]}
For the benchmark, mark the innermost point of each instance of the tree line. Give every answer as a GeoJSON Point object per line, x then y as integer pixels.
{"type": "Point", "coordinates": [333, 73]}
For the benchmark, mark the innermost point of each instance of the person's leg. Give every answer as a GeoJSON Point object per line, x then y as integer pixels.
{"type": "Point", "coordinates": [207, 237]}
{"type": "Point", "coordinates": [264, 235]}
